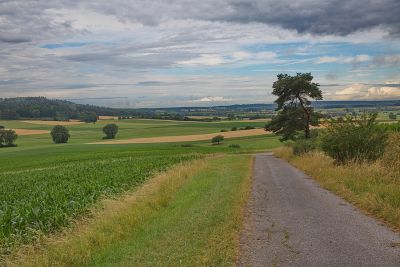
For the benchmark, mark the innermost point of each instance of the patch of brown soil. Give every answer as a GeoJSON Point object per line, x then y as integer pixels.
{"type": "Point", "coordinates": [108, 118]}
{"type": "Point", "coordinates": [71, 122]}
{"type": "Point", "coordinates": [185, 138]}
{"type": "Point", "coordinates": [30, 132]}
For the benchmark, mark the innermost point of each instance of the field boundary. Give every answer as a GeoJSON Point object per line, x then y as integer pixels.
{"type": "Point", "coordinates": [185, 138]}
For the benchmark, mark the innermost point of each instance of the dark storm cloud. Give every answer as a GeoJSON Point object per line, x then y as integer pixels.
{"type": "Point", "coordinates": [319, 17]}
{"type": "Point", "coordinates": [338, 17]}
{"type": "Point", "coordinates": [24, 21]}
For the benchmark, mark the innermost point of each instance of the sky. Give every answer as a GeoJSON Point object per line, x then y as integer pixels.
{"type": "Point", "coordinates": [159, 53]}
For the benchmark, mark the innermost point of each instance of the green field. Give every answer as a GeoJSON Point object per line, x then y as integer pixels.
{"type": "Point", "coordinates": [133, 128]}
{"type": "Point", "coordinates": [44, 187]}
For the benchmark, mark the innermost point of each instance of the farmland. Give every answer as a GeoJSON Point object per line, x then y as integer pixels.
{"type": "Point", "coordinates": [45, 187]}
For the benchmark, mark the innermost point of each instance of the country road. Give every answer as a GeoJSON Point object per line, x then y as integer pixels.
{"type": "Point", "coordinates": [291, 221]}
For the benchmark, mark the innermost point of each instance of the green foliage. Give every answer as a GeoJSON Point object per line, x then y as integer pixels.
{"type": "Point", "coordinates": [289, 121]}
{"type": "Point", "coordinates": [247, 127]}
{"type": "Point", "coordinates": [216, 140]}
{"type": "Point", "coordinates": [110, 130]}
{"type": "Point", "coordinates": [391, 156]}
{"type": "Point", "coordinates": [7, 138]}
{"type": "Point", "coordinates": [392, 116]}
{"type": "Point", "coordinates": [88, 117]}
{"type": "Point", "coordinates": [60, 134]}
{"type": "Point", "coordinates": [234, 146]}
{"type": "Point", "coordinates": [354, 139]}
{"type": "Point", "coordinates": [50, 197]}
{"type": "Point", "coordinates": [234, 129]}
{"type": "Point", "coordinates": [187, 145]}
{"type": "Point", "coordinates": [390, 127]}
{"type": "Point", "coordinates": [303, 146]}
{"type": "Point", "coordinates": [223, 130]}
{"type": "Point", "coordinates": [294, 108]}
{"type": "Point", "coordinates": [2, 127]}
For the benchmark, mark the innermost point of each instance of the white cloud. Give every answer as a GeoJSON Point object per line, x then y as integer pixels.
{"type": "Point", "coordinates": [348, 60]}
{"type": "Point", "coordinates": [367, 92]}
{"type": "Point", "coordinates": [205, 60]}
{"type": "Point", "coordinates": [213, 99]}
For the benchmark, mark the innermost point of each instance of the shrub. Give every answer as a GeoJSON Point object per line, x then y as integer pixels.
{"type": "Point", "coordinates": [60, 134]}
{"type": "Point", "coordinates": [303, 146]}
{"type": "Point", "coordinates": [187, 145]}
{"type": "Point", "coordinates": [110, 131]}
{"type": "Point", "coordinates": [88, 117]}
{"type": "Point", "coordinates": [392, 116]}
{"type": "Point", "coordinates": [216, 140]}
{"type": "Point", "coordinates": [391, 156]}
{"type": "Point", "coordinates": [2, 127]}
{"type": "Point", "coordinates": [223, 130]}
{"type": "Point", "coordinates": [354, 139]}
{"type": "Point", "coordinates": [7, 138]}
{"type": "Point", "coordinates": [248, 128]}
{"type": "Point", "coordinates": [234, 129]}
{"type": "Point", "coordinates": [234, 146]}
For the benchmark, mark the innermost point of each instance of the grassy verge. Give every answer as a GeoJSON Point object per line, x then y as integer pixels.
{"type": "Point", "coordinates": [188, 216]}
{"type": "Point", "coordinates": [371, 187]}
{"type": "Point", "coordinates": [41, 201]}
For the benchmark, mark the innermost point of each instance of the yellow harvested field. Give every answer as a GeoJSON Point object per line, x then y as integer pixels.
{"type": "Point", "coordinates": [185, 138]}
{"type": "Point", "coordinates": [108, 118]}
{"type": "Point", "coordinates": [30, 132]}
{"type": "Point", "coordinates": [71, 122]}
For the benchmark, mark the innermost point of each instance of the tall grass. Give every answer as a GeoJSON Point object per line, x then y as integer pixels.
{"type": "Point", "coordinates": [370, 186]}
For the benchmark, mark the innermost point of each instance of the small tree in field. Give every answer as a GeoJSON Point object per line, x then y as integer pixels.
{"type": "Point", "coordinates": [294, 107]}
{"type": "Point", "coordinates": [216, 140]}
{"type": "Point", "coordinates": [110, 131]}
{"type": "Point", "coordinates": [60, 134]}
{"type": "Point", "coordinates": [8, 137]}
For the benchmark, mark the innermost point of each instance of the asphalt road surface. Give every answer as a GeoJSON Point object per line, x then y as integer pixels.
{"type": "Point", "coordinates": [291, 221]}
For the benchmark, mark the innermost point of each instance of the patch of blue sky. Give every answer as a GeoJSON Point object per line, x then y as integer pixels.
{"type": "Point", "coordinates": [73, 44]}
{"type": "Point", "coordinates": [304, 49]}
{"type": "Point", "coordinates": [65, 45]}
{"type": "Point", "coordinates": [254, 69]}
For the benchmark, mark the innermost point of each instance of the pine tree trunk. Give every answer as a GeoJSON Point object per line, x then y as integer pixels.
{"type": "Point", "coordinates": [308, 118]}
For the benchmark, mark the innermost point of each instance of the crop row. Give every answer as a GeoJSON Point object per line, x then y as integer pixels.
{"type": "Point", "coordinates": [44, 200]}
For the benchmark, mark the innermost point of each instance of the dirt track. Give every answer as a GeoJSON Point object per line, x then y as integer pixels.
{"type": "Point", "coordinates": [185, 138]}
{"type": "Point", "coordinates": [30, 132]}
{"type": "Point", "coordinates": [54, 122]}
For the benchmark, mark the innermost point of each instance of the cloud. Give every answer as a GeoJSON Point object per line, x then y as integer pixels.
{"type": "Point", "coordinates": [347, 60]}
{"type": "Point", "coordinates": [175, 51]}
{"type": "Point", "coordinates": [204, 59]}
{"type": "Point", "coordinates": [387, 60]}
{"type": "Point", "coordinates": [368, 92]}
{"type": "Point", "coordinates": [213, 99]}
{"type": "Point", "coordinates": [337, 17]}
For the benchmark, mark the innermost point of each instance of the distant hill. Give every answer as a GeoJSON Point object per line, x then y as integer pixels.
{"type": "Point", "coordinates": [53, 109]}
{"type": "Point", "coordinates": [41, 107]}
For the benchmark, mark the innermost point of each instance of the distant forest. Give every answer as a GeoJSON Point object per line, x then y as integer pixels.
{"type": "Point", "coordinates": [53, 109]}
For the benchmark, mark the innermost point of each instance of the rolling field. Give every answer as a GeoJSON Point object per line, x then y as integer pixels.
{"type": "Point", "coordinates": [133, 128]}
{"type": "Point", "coordinates": [45, 187]}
